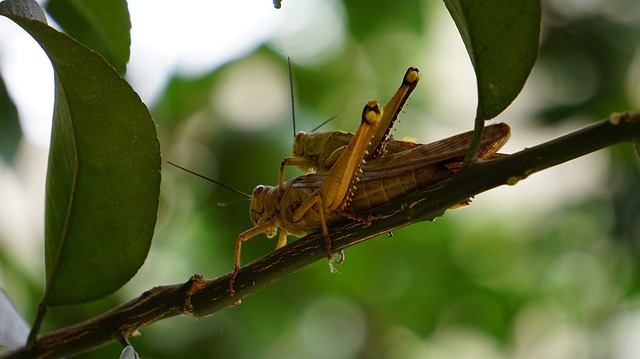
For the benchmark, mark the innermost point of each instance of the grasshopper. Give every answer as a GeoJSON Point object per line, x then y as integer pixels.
{"type": "Point", "coordinates": [351, 187]}
{"type": "Point", "coordinates": [299, 211]}
{"type": "Point", "coordinates": [319, 151]}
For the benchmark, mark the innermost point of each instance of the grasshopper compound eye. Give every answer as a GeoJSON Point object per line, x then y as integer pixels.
{"type": "Point", "coordinates": [258, 190]}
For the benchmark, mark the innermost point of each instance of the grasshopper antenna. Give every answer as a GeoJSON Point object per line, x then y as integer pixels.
{"type": "Point", "coordinates": [293, 106]}
{"type": "Point", "coordinates": [230, 203]}
{"type": "Point", "coordinates": [248, 196]}
{"type": "Point", "coordinates": [293, 109]}
{"type": "Point", "coordinates": [324, 123]}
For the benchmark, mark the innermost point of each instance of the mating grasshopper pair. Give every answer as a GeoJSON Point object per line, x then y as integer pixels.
{"type": "Point", "coordinates": [356, 173]}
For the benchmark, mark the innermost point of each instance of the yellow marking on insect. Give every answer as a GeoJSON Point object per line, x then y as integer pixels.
{"type": "Point", "coordinates": [412, 76]}
{"type": "Point", "coordinates": [371, 116]}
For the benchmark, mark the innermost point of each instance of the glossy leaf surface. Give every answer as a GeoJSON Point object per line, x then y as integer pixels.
{"type": "Point", "coordinates": [103, 177]}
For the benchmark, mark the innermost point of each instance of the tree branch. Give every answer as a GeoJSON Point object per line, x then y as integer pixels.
{"type": "Point", "coordinates": [199, 297]}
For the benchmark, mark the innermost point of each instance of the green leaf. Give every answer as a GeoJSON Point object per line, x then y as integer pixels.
{"type": "Point", "coordinates": [102, 25]}
{"type": "Point", "coordinates": [10, 130]}
{"type": "Point", "coordinates": [103, 179]}
{"type": "Point", "coordinates": [501, 38]}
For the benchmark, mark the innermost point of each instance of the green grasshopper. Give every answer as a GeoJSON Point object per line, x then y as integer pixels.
{"type": "Point", "coordinates": [318, 151]}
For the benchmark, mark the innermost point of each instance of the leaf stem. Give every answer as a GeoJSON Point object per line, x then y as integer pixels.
{"type": "Point", "coordinates": [37, 323]}
{"type": "Point", "coordinates": [478, 127]}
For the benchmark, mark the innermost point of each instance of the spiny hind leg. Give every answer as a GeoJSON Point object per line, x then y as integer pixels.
{"type": "Point", "coordinates": [315, 200]}
{"type": "Point", "coordinates": [325, 230]}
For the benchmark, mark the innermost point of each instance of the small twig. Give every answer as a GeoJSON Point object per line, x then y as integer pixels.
{"type": "Point", "coordinates": [199, 297]}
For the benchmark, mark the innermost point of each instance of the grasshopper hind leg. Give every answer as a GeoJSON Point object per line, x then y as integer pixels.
{"type": "Point", "coordinates": [325, 230]}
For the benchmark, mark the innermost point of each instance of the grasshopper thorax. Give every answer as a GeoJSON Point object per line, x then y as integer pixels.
{"type": "Point", "coordinates": [307, 144]}
{"type": "Point", "coordinates": [310, 144]}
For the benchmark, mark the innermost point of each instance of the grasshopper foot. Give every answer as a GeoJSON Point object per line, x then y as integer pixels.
{"type": "Point", "coordinates": [232, 279]}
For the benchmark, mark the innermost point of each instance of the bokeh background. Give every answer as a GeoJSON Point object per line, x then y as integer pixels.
{"type": "Point", "coordinates": [548, 268]}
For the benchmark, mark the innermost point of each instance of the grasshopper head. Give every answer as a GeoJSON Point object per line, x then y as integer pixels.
{"type": "Point", "coordinates": [298, 144]}
{"type": "Point", "coordinates": [260, 211]}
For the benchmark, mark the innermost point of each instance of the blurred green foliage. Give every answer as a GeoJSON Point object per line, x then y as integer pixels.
{"type": "Point", "coordinates": [10, 131]}
{"type": "Point", "coordinates": [556, 282]}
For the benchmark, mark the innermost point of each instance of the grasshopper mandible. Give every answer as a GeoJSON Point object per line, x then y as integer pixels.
{"type": "Point", "coordinates": [305, 203]}
{"type": "Point", "coordinates": [318, 151]}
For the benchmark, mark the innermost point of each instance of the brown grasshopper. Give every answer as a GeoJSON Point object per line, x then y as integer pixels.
{"type": "Point", "coordinates": [318, 151]}
{"type": "Point", "coordinates": [306, 203]}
